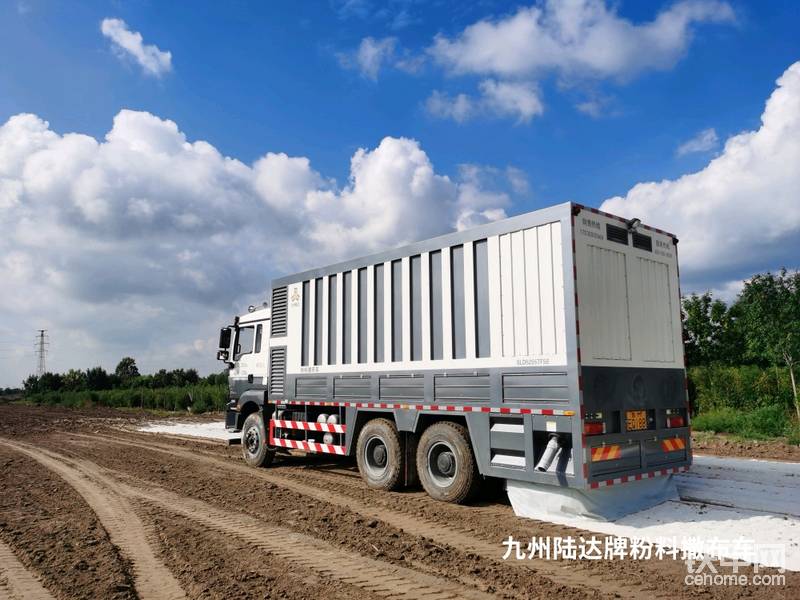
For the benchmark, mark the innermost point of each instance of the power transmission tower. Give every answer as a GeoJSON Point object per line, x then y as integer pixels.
{"type": "Point", "coordinates": [41, 352]}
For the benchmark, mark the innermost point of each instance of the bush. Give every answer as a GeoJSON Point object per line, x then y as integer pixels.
{"type": "Point", "coordinates": [762, 423]}
{"type": "Point", "coordinates": [200, 398]}
{"type": "Point", "coordinates": [744, 388]}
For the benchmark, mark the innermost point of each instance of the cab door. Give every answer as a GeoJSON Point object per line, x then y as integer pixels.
{"type": "Point", "coordinates": [250, 353]}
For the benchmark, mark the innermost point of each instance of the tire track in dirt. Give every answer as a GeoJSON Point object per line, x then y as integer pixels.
{"type": "Point", "coordinates": [16, 582]}
{"type": "Point", "coordinates": [151, 577]}
{"type": "Point", "coordinates": [451, 535]}
{"type": "Point", "coordinates": [381, 579]}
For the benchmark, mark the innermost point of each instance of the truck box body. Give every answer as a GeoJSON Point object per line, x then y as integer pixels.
{"type": "Point", "coordinates": [561, 321]}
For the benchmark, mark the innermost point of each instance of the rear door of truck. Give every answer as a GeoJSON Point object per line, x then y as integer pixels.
{"type": "Point", "coordinates": [631, 352]}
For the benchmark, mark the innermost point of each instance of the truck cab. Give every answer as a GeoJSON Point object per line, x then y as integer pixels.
{"type": "Point", "coordinates": [244, 347]}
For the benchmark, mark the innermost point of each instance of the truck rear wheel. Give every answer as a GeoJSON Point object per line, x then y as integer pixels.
{"type": "Point", "coordinates": [379, 455]}
{"type": "Point", "coordinates": [255, 447]}
{"type": "Point", "coordinates": [446, 464]}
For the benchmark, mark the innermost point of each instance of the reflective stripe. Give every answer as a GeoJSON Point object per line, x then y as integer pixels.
{"type": "Point", "coordinates": [436, 407]}
{"type": "Point", "coordinates": [637, 477]}
{"type": "Point", "coordinates": [673, 444]}
{"type": "Point", "coordinates": [308, 446]}
{"type": "Point", "coordinates": [612, 452]}
{"type": "Point", "coordinates": [309, 426]}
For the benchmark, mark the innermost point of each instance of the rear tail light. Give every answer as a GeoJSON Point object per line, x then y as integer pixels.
{"type": "Point", "coordinates": [674, 421]}
{"type": "Point", "coordinates": [594, 428]}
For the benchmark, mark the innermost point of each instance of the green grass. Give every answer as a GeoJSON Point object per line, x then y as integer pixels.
{"type": "Point", "coordinates": [759, 424]}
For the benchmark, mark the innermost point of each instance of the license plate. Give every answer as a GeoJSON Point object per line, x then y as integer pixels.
{"type": "Point", "coordinates": [636, 420]}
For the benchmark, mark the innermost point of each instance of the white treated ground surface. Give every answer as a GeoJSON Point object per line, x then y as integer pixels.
{"type": "Point", "coordinates": [721, 498]}
{"type": "Point", "coordinates": [214, 430]}
{"type": "Point", "coordinates": [724, 499]}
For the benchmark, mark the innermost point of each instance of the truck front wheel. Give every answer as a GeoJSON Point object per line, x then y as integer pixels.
{"type": "Point", "coordinates": [446, 464]}
{"type": "Point", "coordinates": [255, 448]}
{"type": "Point", "coordinates": [379, 455]}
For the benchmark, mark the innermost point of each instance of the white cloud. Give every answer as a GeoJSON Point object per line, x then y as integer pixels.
{"type": "Point", "coordinates": [518, 100]}
{"type": "Point", "coordinates": [741, 213]}
{"type": "Point", "coordinates": [372, 53]}
{"type": "Point", "coordinates": [441, 105]}
{"type": "Point", "coordinates": [576, 38]}
{"type": "Point", "coordinates": [702, 142]}
{"type": "Point", "coordinates": [727, 291]}
{"type": "Point", "coordinates": [130, 44]}
{"type": "Point", "coordinates": [144, 242]}
{"type": "Point", "coordinates": [580, 41]}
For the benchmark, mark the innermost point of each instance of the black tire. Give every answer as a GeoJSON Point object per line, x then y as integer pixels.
{"type": "Point", "coordinates": [255, 449]}
{"type": "Point", "coordinates": [445, 463]}
{"type": "Point", "coordinates": [379, 455]}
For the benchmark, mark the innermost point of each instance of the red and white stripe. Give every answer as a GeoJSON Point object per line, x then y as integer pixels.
{"type": "Point", "coordinates": [505, 410]}
{"type": "Point", "coordinates": [308, 426]}
{"type": "Point", "coordinates": [637, 477]}
{"type": "Point", "coordinates": [308, 446]}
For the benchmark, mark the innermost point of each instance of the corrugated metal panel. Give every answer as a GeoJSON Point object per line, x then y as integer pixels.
{"type": "Point", "coordinates": [532, 291]}
{"type": "Point", "coordinates": [606, 301]}
{"type": "Point", "coordinates": [653, 324]}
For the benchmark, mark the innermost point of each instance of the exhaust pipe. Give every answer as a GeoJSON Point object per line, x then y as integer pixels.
{"type": "Point", "coordinates": [549, 454]}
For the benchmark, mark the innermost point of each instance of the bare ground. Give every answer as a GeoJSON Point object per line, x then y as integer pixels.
{"type": "Point", "coordinates": [305, 528]}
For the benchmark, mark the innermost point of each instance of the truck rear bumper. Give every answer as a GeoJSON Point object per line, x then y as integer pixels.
{"type": "Point", "coordinates": [629, 457]}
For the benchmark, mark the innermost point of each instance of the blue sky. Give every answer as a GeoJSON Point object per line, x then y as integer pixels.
{"type": "Point", "coordinates": [581, 101]}
{"type": "Point", "coordinates": [252, 77]}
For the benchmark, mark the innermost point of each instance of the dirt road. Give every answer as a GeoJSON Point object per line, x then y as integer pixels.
{"type": "Point", "coordinates": [92, 510]}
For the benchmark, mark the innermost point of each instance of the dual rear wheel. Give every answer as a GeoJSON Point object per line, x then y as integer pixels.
{"type": "Point", "coordinates": [444, 462]}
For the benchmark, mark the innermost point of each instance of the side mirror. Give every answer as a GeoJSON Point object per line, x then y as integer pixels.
{"type": "Point", "coordinates": [222, 355]}
{"type": "Point", "coordinates": [225, 338]}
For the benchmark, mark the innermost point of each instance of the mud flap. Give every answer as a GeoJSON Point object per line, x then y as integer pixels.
{"type": "Point", "coordinates": [548, 502]}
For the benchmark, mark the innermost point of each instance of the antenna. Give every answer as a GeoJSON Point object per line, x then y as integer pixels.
{"type": "Point", "coordinates": [41, 352]}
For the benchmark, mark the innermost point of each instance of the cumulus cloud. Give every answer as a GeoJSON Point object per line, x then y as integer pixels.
{"type": "Point", "coordinates": [576, 40]}
{"type": "Point", "coordinates": [144, 241]}
{"type": "Point", "coordinates": [130, 44]}
{"type": "Point", "coordinates": [741, 213]}
{"type": "Point", "coordinates": [576, 37]}
{"type": "Point", "coordinates": [702, 142]}
{"type": "Point", "coordinates": [519, 100]}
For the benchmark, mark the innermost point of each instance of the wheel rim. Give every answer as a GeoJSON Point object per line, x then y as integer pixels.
{"type": "Point", "coordinates": [252, 440]}
{"type": "Point", "coordinates": [376, 457]}
{"type": "Point", "coordinates": [442, 464]}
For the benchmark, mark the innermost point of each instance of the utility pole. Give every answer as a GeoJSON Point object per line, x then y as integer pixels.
{"type": "Point", "coordinates": [41, 352]}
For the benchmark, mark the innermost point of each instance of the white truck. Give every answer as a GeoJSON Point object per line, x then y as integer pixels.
{"type": "Point", "coordinates": [543, 348]}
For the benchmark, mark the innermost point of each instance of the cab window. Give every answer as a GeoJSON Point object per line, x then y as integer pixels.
{"type": "Point", "coordinates": [244, 342]}
{"type": "Point", "coordinates": [258, 340]}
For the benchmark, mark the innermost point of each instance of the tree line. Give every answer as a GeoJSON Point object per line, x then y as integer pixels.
{"type": "Point", "coordinates": [125, 376]}
{"type": "Point", "coordinates": [761, 327]}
